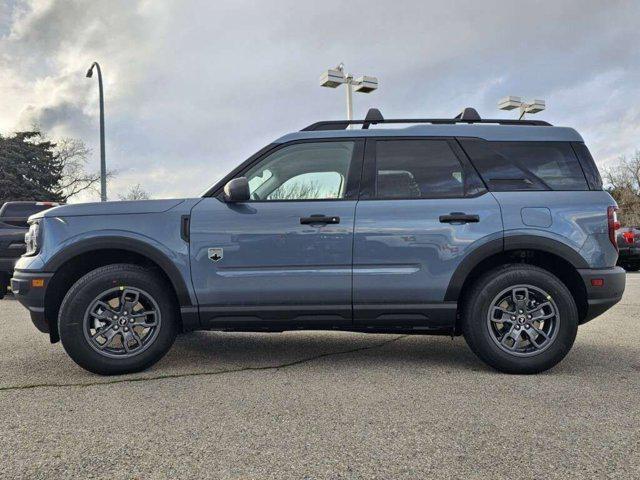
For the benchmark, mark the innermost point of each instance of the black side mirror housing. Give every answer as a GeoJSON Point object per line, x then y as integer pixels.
{"type": "Point", "coordinates": [237, 190]}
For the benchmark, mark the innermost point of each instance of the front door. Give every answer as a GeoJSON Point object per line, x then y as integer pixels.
{"type": "Point", "coordinates": [285, 256]}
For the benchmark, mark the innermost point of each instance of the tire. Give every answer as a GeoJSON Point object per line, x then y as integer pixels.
{"type": "Point", "coordinates": [527, 355]}
{"type": "Point", "coordinates": [633, 267]}
{"type": "Point", "coordinates": [4, 284]}
{"type": "Point", "coordinates": [85, 312]}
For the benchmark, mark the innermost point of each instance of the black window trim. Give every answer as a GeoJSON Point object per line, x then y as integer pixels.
{"type": "Point", "coordinates": [369, 170]}
{"type": "Point", "coordinates": [353, 180]}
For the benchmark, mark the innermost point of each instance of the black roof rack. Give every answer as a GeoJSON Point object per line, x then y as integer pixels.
{"type": "Point", "coordinates": [374, 117]}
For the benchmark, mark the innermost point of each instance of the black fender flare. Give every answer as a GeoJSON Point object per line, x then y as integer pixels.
{"type": "Point", "coordinates": [506, 244]}
{"type": "Point", "coordinates": [127, 244]}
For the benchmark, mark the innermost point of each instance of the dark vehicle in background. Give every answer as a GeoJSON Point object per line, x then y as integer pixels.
{"type": "Point", "coordinates": [13, 227]}
{"type": "Point", "coordinates": [629, 245]}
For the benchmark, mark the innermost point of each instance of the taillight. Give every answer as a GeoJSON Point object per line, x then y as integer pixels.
{"type": "Point", "coordinates": [628, 236]}
{"type": "Point", "coordinates": [612, 221]}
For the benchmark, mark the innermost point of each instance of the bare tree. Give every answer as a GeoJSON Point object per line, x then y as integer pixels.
{"type": "Point", "coordinates": [135, 193]}
{"type": "Point", "coordinates": [73, 155]}
{"type": "Point", "coordinates": [624, 181]}
{"type": "Point", "coordinates": [297, 191]}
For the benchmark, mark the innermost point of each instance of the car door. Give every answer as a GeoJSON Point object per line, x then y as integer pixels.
{"type": "Point", "coordinates": [423, 209]}
{"type": "Point", "coordinates": [285, 256]}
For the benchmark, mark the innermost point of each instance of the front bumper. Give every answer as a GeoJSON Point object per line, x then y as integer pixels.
{"type": "Point", "coordinates": [27, 290]}
{"type": "Point", "coordinates": [602, 298]}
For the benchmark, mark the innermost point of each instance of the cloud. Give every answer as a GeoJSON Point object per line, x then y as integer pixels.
{"type": "Point", "coordinates": [194, 87]}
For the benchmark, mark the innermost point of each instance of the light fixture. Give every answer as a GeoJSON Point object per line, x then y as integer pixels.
{"type": "Point", "coordinates": [512, 102]}
{"type": "Point", "coordinates": [334, 77]}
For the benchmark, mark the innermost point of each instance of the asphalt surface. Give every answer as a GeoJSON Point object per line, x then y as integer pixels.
{"type": "Point", "coordinates": [320, 405]}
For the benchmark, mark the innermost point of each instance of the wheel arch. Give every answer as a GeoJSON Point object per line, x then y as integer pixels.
{"type": "Point", "coordinates": [552, 255]}
{"type": "Point", "coordinates": [79, 258]}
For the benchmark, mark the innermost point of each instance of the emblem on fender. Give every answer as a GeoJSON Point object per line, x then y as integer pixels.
{"type": "Point", "coordinates": [215, 254]}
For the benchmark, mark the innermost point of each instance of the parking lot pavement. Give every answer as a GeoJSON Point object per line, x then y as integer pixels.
{"type": "Point", "coordinates": [323, 405]}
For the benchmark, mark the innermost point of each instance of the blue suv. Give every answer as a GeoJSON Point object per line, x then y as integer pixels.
{"type": "Point", "coordinates": [498, 230]}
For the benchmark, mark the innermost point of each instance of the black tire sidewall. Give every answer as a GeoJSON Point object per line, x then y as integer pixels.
{"type": "Point", "coordinates": [4, 284]}
{"type": "Point", "coordinates": [86, 290]}
{"type": "Point", "coordinates": [476, 329]}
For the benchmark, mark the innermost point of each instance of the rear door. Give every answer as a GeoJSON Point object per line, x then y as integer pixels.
{"type": "Point", "coordinates": [423, 208]}
{"type": "Point", "coordinates": [286, 255]}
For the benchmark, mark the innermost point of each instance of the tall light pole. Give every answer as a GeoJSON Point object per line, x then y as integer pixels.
{"type": "Point", "coordinates": [334, 77]}
{"type": "Point", "coordinates": [511, 102]}
{"type": "Point", "coordinates": [103, 161]}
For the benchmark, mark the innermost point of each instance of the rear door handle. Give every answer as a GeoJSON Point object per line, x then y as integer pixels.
{"type": "Point", "coordinates": [318, 219]}
{"type": "Point", "coordinates": [459, 217]}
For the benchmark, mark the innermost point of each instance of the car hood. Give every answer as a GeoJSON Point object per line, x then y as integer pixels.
{"type": "Point", "coordinates": [110, 208]}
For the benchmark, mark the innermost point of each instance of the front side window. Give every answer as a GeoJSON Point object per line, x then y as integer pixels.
{"type": "Point", "coordinates": [417, 169]}
{"type": "Point", "coordinates": [303, 171]}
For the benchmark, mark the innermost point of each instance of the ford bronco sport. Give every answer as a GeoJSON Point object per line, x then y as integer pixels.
{"type": "Point", "coordinates": [498, 230]}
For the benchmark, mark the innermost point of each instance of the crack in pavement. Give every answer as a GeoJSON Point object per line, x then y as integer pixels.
{"type": "Point", "coordinates": [202, 374]}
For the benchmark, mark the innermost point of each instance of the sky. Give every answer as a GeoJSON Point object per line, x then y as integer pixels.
{"type": "Point", "coordinates": [193, 88]}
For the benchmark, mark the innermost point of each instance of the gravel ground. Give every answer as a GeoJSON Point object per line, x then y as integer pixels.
{"type": "Point", "coordinates": [323, 405]}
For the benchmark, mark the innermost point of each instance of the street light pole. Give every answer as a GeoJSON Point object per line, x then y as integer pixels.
{"type": "Point", "coordinates": [103, 161]}
{"type": "Point", "coordinates": [349, 89]}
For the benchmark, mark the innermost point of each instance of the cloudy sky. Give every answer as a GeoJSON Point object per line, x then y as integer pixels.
{"type": "Point", "coordinates": [195, 87]}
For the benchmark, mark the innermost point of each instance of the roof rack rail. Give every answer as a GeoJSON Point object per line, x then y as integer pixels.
{"type": "Point", "coordinates": [374, 117]}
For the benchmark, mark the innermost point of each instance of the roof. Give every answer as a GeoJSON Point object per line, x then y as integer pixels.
{"type": "Point", "coordinates": [490, 132]}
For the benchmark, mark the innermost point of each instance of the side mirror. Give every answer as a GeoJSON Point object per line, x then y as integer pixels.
{"type": "Point", "coordinates": [237, 190]}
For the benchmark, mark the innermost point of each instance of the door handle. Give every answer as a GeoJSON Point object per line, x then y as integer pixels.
{"type": "Point", "coordinates": [318, 219]}
{"type": "Point", "coordinates": [459, 217]}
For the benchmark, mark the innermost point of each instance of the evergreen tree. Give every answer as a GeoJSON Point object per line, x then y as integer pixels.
{"type": "Point", "coordinates": [29, 168]}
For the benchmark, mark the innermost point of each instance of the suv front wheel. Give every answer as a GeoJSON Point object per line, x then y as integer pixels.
{"type": "Point", "coordinates": [118, 319]}
{"type": "Point", "coordinates": [520, 319]}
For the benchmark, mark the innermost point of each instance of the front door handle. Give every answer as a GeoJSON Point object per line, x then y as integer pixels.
{"type": "Point", "coordinates": [318, 219]}
{"type": "Point", "coordinates": [459, 217]}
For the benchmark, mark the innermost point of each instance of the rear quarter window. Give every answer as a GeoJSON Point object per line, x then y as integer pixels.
{"type": "Point", "coordinates": [588, 166]}
{"type": "Point", "coordinates": [509, 166]}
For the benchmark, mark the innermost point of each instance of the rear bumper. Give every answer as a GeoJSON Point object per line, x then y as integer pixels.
{"type": "Point", "coordinates": [32, 296]}
{"type": "Point", "coordinates": [602, 298]}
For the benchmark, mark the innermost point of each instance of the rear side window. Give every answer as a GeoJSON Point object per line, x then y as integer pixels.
{"type": "Point", "coordinates": [417, 169]}
{"type": "Point", "coordinates": [509, 166]}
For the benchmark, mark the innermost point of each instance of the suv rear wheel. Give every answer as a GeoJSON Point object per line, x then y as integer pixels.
{"type": "Point", "coordinates": [4, 284]}
{"type": "Point", "coordinates": [520, 319]}
{"type": "Point", "coordinates": [118, 319]}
